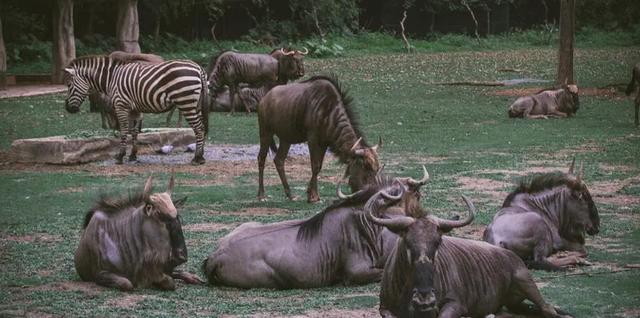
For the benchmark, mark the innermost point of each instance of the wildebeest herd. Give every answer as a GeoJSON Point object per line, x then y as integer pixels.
{"type": "Point", "coordinates": [377, 233]}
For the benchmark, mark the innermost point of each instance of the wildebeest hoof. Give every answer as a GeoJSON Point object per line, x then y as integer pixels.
{"type": "Point", "coordinates": [197, 161]}
{"type": "Point", "coordinates": [133, 158]}
{"type": "Point", "coordinates": [188, 278]}
{"type": "Point", "coordinates": [313, 199]}
{"type": "Point", "coordinates": [262, 198]}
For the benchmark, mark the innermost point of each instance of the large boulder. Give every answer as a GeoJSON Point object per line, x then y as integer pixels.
{"type": "Point", "coordinates": [60, 150]}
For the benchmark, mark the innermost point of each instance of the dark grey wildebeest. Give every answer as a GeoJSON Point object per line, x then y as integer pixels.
{"type": "Point", "coordinates": [634, 86]}
{"type": "Point", "coordinates": [132, 242]}
{"type": "Point", "coordinates": [232, 68]}
{"type": "Point", "coordinates": [336, 246]}
{"type": "Point", "coordinates": [429, 275]}
{"type": "Point", "coordinates": [249, 97]}
{"type": "Point", "coordinates": [563, 102]}
{"type": "Point", "coordinates": [319, 112]}
{"type": "Point", "coordinates": [547, 214]}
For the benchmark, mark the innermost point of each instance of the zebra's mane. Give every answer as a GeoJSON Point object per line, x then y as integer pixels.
{"type": "Point", "coordinates": [540, 183]}
{"type": "Point", "coordinates": [113, 204]}
{"type": "Point", "coordinates": [347, 101]}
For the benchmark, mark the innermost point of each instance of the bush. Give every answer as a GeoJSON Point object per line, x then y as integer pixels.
{"type": "Point", "coordinates": [319, 48]}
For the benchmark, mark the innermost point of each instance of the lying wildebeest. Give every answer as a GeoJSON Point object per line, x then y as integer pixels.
{"type": "Point", "coordinates": [429, 275]}
{"type": "Point", "coordinates": [133, 242]}
{"type": "Point", "coordinates": [101, 103]}
{"type": "Point", "coordinates": [634, 85]}
{"type": "Point", "coordinates": [563, 102]}
{"type": "Point", "coordinates": [248, 96]}
{"type": "Point", "coordinates": [337, 245]}
{"type": "Point", "coordinates": [231, 68]}
{"type": "Point", "coordinates": [319, 112]}
{"type": "Point", "coordinates": [547, 214]}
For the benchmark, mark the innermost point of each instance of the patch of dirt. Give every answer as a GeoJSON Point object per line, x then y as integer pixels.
{"type": "Point", "coordinates": [489, 187]}
{"type": "Point", "coordinates": [472, 231]}
{"type": "Point", "coordinates": [72, 190]}
{"type": "Point", "coordinates": [208, 227]}
{"type": "Point", "coordinates": [619, 200]}
{"type": "Point", "coordinates": [88, 288]}
{"type": "Point", "coordinates": [587, 91]}
{"type": "Point", "coordinates": [631, 313]}
{"type": "Point", "coordinates": [616, 168]}
{"type": "Point", "coordinates": [126, 302]}
{"type": "Point", "coordinates": [36, 237]}
{"type": "Point", "coordinates": [529, 171]}
{"type": "Point", "coordinates": [328, 313]}
{"type": "Point", "coordinates": [252, 211]}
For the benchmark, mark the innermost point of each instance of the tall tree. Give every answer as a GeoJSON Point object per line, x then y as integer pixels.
{"type": "Point", "coordinates": [3, 60]}
{"type": "Point", "coordinates": [127, 28]}
{"type": "Point", "coordinates": [567, 39]}
{"type": "Point", "coordinates": [64, 45]}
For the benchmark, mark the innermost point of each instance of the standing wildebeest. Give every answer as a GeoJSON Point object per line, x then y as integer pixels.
{"type": "Point", "coordinates": [231, 68]}
{"type": "Point", "coordinates": [136, 88]}
{"type": "Point", "coordinates": [429, 275]}
{"type": "Point", "coordinates": [634, 85]}
{"type": "Point", "coordinates": [319, 112]}
{"type": "Point", "coordinates": [337, 245]}
{"type": "Point", "coordinates": [133, 242]}
{"type": "Point", "coordinates": [561, 102]}
{"type": "Point", "coordinates": [548, 214]}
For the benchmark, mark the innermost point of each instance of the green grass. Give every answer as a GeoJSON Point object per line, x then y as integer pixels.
{"type": "Point", "coordinates": [457, 131]}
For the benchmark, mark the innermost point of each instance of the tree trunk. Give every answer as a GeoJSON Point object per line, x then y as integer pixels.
{"type": "Point", "coordinates": [432, 26]}
{"type": "Point", "coordinates": [64, 45]}
{"type": "Point", "coordinates": [3, 61]}
{"type": "Point", "coordinates": [127, 29]}
{"type": "Point", "coordinates": [567, 32]}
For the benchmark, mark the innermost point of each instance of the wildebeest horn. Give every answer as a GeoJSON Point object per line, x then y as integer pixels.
{"type": "Point", "coordinates": [573, 164]}
{"type": "Point", "coordinates": [448, 225]}
{"type": "Point", "coordinates": [147, 188]}
{"type": "Point", "coordinates": [287, 53]}
{"type": "Point", "coordinates": [379, 144]}
{"type": "Point", "coordinates": [395, 224]}
{"type": "Point", "coordinates": [342, 195]}
{"type": "Point", "coordinates": [306, 51]}
{"type": "Point", "coordinates": [354, 149]}
{"type": "Point", "coordinates": [422, 181]}
{"type": "Point", "coordinates": [581, 172]}
{"type": "Point", "coordinates": [171, 183]}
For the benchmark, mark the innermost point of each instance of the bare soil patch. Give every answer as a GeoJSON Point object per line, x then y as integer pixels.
{"type": "Point", "coordinates": [587, 91]}
{"type": "Point", "coordinates": [472, 231]}
{"type": "Point", "coordinates": [127, 302]}
{"type": "Point", "coordinates": [87, 288]}
{"type": "Point", "coordinates": [492, 188]}
{"type": "Point", "coordinates": [208, 227]}
{"type": "Point", "coordinates": [30, 238]}
{"type": "Point", "coordinates": [631, 313]}
{"type": "Point", "coordinates": [328, 313]}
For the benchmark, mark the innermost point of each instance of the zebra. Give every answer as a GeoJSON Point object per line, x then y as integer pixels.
{"type": "Point", "coordinates": [136, 88]}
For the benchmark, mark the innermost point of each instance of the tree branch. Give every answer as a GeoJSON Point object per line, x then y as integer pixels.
{"type": "Point", "coordinates": [407, 45]}
{"type": "Point", "coordinates": [473, 16]}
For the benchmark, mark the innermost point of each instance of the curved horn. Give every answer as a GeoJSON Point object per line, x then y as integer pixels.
{"type": "Point", "coordinates": [356, 144]}
{"type": "Point", "coordinates": [447, 225]}
{"type": "Point", "coordinates": [282, 51]}
{"type": "Point", "coordinates": [580, 172]}
{"type": "Point", "coordinates": [573, 164]}
{"type": "Point", "coordinates": [171, 184]}
{"type": "Point", "coordinates": [395, 224]}
{"type": "Point", "coordinates": [425, 178]}
{"type": "Point", "coordinates": [147, 188]}
{"type": "Point", "coordinates": [306, 51]}
{"type": "Point", "coordinates": [342, 195]}
{"type": "Point", "coordinates": [379, 144]}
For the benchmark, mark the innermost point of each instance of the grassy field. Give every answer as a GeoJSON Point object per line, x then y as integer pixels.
{"type": "Point", "coordinates": [461, 133]}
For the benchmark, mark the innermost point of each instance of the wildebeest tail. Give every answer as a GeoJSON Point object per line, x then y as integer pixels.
{"type": "Point", "coordinates": [634, 81]}
{"type": "Point", "coordinates": [204, 102]}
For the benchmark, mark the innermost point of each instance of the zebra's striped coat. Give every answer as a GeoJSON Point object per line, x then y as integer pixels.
{"type": "Point", "coordinates": [137, 88]}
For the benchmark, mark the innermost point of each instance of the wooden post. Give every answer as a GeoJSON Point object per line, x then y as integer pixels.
{"type": "Point", "coordinates": [64, 45]}
{"type": "Point", "coordinates": [127, 28]}
{"type": "Point", "coordinates": [567, 39]}
{"type": "Point", "coordinates": [3, 61]}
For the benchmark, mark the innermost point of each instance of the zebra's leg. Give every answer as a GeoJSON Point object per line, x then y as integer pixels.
{"type": "Point", "coordinates": [135, 123]}
{"type": "Point", "coordinates": [194, 118]}
{"type": "Point", "coordinates": [123, 120]}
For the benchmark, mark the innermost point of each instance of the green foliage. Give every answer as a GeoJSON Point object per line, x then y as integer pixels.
{"type": "Point", "coordinates": [319, 48]}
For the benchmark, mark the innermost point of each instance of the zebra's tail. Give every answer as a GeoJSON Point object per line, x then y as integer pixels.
{"type": "Point", "coordinates": [204, 103]}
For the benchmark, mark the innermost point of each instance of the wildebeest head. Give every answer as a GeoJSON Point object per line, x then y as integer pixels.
{"type": "Point", "coordinates": [290, 63]}
{"type": "Point", "coordinates": [581, 208]}
{"type": "Point", "coordinates": [78, 86]}
{"type": "Point", "coordinates": [364, 164]}
{"type": "Point", "coordinates": [571, 103]}
{"type": "Point", "coordinates": [160, 207]}
{"type": "Point", "coordinates": [420, 240]}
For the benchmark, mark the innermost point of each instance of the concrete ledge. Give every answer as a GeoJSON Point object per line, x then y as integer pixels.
{"type": "Point", "coordinates": [58, 150]}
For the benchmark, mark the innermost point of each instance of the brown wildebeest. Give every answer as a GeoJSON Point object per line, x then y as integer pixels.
{"type": "Point", "coordinates": [133, 242]}
{"type": "Point", "coordinates": [249, 97]}
{"type": "Point", "coordinates": [231, 68]}
{"type": "Point", "coordinates": [634, 86]}
{"type": "Point", "coordinates": [319, 112]}
{"type": "Point", "coordinates": [562, 102]}
{"type": "Point", "coordinates": [336, 246]}
{"type": "Point", "coordinates": [547, 214]}
{"type": "Point", "coordinates": [429, 275]}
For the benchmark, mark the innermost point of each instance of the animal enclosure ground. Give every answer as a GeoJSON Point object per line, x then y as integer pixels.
{"type": "Point", "coordinates": [461, 133]}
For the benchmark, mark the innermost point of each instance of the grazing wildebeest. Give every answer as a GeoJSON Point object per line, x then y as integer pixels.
{"type": "Point", "coordinates": [563, 102]}
{"type": "Point", "coordinates": [634, 86]}
{"type": "Point", "coordinates": [547, 214]}
{"type": "Point", "coordinates": [319, 112]}
{"type": "Point", "coordinates": [133, 242]}
{"type": "Point", "coordinates": [231, 68]}
{"type": "Point", "coordinates": [428, 275]}
{"type": "Point", "coordinates": [136, 88]}
{"type": "Point", "coordinates": [337, 245]}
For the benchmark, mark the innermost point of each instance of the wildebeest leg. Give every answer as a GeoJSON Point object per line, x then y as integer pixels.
{"type": "Point", "coordinates": [233, 90]}
{"type": "Point", "coordinates": [451, 310]}
{"type": "Point", "coordinates": [265, 140]}
{"type": "Point", "coordinates": [165, 282]}
{"type": "Point", "coordinates": [244, 103]}
{"type": "Point", "coordinates": [281, 155]}
{"type": "Point", "coordinates": [525, 286]}
{"type": "Point", "coordinates": [187, 277]}
{"type": "Point", "coordinates": [540, 252]}
{"type": "Point", "coordinates": [317, 157]}
{"type": "Point", "coordinates": [385, 313]}
{"type": "Point", "coordinates": [112, 280]}
{"type": "Point", "coordinates": [134, 120]}
{"type": "Point", "coordinates": [557, 113]}
{"type": "Point", "coordinates": [637, 102]}
{"type": "Point", "coordinates": [123, 120]}
{"type": "Point", "coordinates": [358, 273]}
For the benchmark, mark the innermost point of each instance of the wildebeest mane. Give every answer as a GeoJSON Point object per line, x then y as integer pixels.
{"type": "Point", "coordinates": [310, 228]}
{"type": "Point", "coordinates": [112, 204]}
{"type": "Point", "coordinates": [539, 183]}
{"type": "Point", "coordinates": [214, 60]}
{"type": "Point", "coordinates": [347, 101]}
